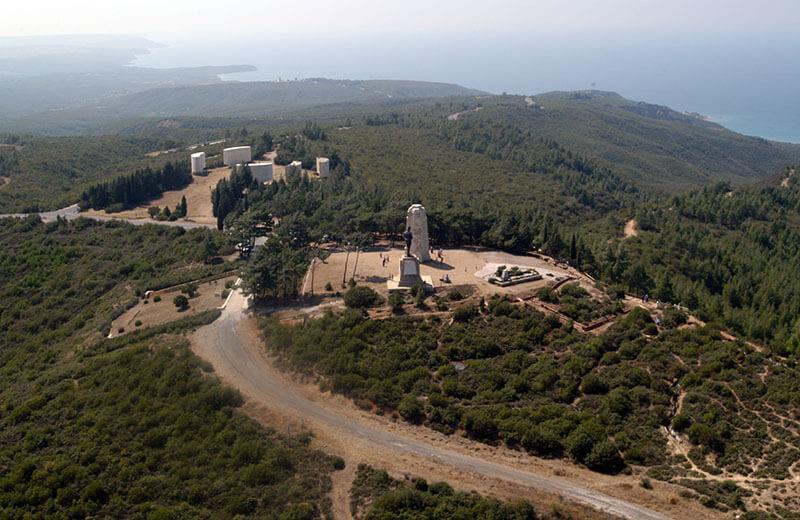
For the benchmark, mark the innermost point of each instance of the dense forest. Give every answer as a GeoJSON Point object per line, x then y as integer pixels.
{"type": "Point", "coordinates": [45, 173]}
{"type": "Point", "coordinates": [654, 147]}
{"type": "Point", "coordinates": [593, 186]}
{"type": "Point", "coordinates": [125, 428]}
{"type": "Point", "coordinates": [129, 190]}
{"type": "Point", "coordinates": [730, 255]}
{"type": "Point", "coordinates": [229, 192]}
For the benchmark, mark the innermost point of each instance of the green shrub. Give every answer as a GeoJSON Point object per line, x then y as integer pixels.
{"type": "Point", "coordinates": [455, 295]}
{"type": "Point", "coordinates": [605, 458]}
{"type": "Point", "coordinates": [479, 424]}
{"type": "Point", "coordinates": [706, 435]}
{"type": "Point", "coordinates": [579, 444]}
{"type": "Point", "coordinates": [673, 317]}
{"type": "Point", "coordinates": [465, 313]}
{"type": "Point", "coordinates": [379, 496]}
{"type": "Point", "coordinates": [190, 290]}
{"type": "Point", "coordinates": [574, 290]}
{"type": "Point", "coordinates": [396, 302]}
{"type": "Point", "coordinates": [338, 463]}
{"type": "Point", "coordinates": [410, 409]}
{"type": "Point", "coordinates": [501, 307]}
{"type": "Point", "coordinates": [419, 299]}
{"type": "Point", "coordinates": [616, 292]}
{"type": "Point", "coordinates": [681, 421]}
{"type": "Point", "coordinates": [181, 302]}
{"type": "Point", "coordinates": [593, 383]}
{"type": "Point", "coordinates": [361, 297]}
{"type": "Point", "coordinates": [546, 294]}
{"type": "Point", "coordinates": [542, 441]}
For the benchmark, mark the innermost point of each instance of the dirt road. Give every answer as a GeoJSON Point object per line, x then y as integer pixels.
{"type": "Point", "coordinates": [237, 358]}
{"type": "Point", "coordinates": [72, 212]}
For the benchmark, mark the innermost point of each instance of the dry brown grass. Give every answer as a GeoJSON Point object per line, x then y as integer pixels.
{"type": "Point", "coordinates": [198, 199]}
{"type": "Point", "coordinates": [209, 297]}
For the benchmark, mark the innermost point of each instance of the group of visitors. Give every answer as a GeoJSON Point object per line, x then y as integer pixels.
{"type": "Point", "coordinates": [439, 254]}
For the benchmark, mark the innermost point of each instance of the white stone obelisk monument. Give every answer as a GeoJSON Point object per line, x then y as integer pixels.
{"type": "Point", "coordinates": [417, 221]}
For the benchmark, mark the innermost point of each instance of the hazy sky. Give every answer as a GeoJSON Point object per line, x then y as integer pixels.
{"type": "Point", "coordinates": [174, 20]}
{"type": "Point", "coordinates": [732, 59]}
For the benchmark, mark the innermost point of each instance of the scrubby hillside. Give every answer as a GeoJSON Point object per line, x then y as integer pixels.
{"type": "Point", "coordinates": [248, 99]}
{"type": "Point", "coordinates": [132, 428]}
{"type": "Point", "coordinates": [650, 145]}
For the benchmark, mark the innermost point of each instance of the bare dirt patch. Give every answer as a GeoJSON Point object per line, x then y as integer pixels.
{"type": "Point", "coordinates": [461, 266]}
{"type": "Point", "coordinates": [454, 117]}
{"type": "Point", "coordinates": [341, 483]}
{"type": "Point", "coordinates": [151, 312]}
{"type": "Point", "coordinates": [198, 200]}
{"type": "Point", "coordinates": [785, 181]}
{"type": "Point", "coordinates": [631, 229]}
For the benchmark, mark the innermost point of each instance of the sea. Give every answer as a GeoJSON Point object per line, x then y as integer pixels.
{"type": "Point", "coordinates": [750, 85]}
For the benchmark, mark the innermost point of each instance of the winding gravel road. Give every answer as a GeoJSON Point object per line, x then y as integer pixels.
{"type": "Point", "coordinates": [235, 359]}
{"type": "Point", "coordinates": [71, 213]}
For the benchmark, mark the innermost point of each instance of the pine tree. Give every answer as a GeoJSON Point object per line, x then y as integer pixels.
{"type": "Point", "coordinates": [664, 290]}
{"type": "Point", "coordinates": [209, 248]}
{"type": "Point", "coordinates": [573, 249]}
{"type": "Point", "coordinates": [137, 187]}
{"type": "Point", "coordinates": [182, 208]}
